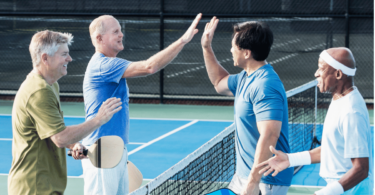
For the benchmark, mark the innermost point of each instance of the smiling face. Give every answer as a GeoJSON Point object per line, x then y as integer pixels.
{"type": "Point", "coordinates": [238, 54]}
{"type": "Point", "coordinates": [112, 38]}
{"type": "Point", "coordinates": [325, 76]}
{"type": "Point", "coordinates": [58, 63]}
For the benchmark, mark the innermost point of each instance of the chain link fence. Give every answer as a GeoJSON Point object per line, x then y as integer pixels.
{"type": "Point", "coordinates": [302, 29]}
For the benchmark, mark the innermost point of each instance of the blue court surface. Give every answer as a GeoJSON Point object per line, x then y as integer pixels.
{"type": "Point", "coordinates": [223, 191]}
{"type": "Point", "coordinates": [155, 145]}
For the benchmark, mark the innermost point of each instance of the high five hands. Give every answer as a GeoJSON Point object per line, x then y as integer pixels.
{"type": "Point", "coordinates": [209, 32]}
{"type": "Point", "coordinates": [192, 30]}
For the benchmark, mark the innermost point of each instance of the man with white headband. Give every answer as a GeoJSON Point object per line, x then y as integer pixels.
{"type": "Point", "coordinates": [346, 153]}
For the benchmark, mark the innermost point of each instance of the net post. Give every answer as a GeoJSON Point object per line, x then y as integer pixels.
{"type": "Point", "coordinates": [161, 74]}
{"type": "Point", "coordinates": [316, 109]}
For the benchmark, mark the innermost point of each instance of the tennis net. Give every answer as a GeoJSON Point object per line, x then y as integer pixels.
{"type": "Point", "coordinates": [212, 166]}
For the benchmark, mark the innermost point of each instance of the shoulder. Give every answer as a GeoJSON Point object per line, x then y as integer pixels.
{"type": "Point", "coordinates": [235, 78]}
{"type": "Point", "coordinates": [43, 96]}
{"type": "Point", "coordinates": [36, 84]}
{"type": "Point", "coordinates": [104, 63]}
{"type": "Point", "coordinates": [354, 104]}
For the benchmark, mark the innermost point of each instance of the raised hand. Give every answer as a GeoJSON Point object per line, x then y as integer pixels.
{"type": "Point", "coordinates": [277, 163]}
{"type": "Point", "coordinates": [209, 32]}
{"type": "Point", "coordinates": [108, 109]}
{"type": "Point", "coordinates": [191, 31]}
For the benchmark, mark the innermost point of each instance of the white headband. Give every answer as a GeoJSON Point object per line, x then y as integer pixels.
{"type": "Point", "coordinates": [336, 65]}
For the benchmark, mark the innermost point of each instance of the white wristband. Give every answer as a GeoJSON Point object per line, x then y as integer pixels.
{"type": "Point", "coordinates": [299, 158]}
{"type": "Point", "coordinates": [333, 188]}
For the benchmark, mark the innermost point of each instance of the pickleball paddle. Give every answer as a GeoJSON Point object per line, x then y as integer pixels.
{"type": "Point", "coordinates": [106, 152]}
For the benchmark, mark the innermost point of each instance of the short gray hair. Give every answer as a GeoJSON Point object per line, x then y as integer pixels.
{"type": "Point", "coordinates": [47, 42]}
{"type": "Point", "coordinates": [97, 27]}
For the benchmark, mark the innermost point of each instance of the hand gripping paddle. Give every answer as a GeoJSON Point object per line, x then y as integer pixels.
{"type": "Point", "coordinates": [106, 152]}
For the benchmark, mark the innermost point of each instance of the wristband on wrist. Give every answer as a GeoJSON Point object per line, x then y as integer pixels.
{"type": "Point", "coordinates": [333, 188]}
{"type": "Point", "coordinates": [299, 158]}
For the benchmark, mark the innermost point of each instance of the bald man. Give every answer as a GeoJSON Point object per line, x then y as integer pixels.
{"type": "Point", "coordinates": [346, 153]}
{"type": "Point", "coordinates": [104, 78]}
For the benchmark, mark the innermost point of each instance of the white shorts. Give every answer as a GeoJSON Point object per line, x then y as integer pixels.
{"type": "Point", "coordinates": [238, 184]}
{"type": "Point", "coordinates": [112, 181]}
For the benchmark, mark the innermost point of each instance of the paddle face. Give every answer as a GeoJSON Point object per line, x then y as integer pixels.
{"type": "Point", "coordinates": [223, 191]}
{"type": "Point", "coordinates": [106, 152]}
{"type": "Point", "coordinates": [135, 177]}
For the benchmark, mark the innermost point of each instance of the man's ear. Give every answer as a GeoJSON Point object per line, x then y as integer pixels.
{"type": "Point", "coordinates": [339, 74]}
{"type": "Point", "coordinates": [247, 53]}
{"type": "Point", "coordinates": [99, 38]}
{"type": "Point", "coordinates": [43, 58]}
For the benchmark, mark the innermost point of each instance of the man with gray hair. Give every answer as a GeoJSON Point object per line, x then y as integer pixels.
{"type": "Point", "coordinates": [39, 132]}
{"type": "Point", "coordinates": [104, 78]}
{"type": "Point", "coordinates": [346, 154]}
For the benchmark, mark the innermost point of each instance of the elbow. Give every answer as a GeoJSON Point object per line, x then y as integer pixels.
{"type": "Point", "coordinates": [364, 172]}
{"type": "Point", "coordinates": [217, 89]}
{"type": "Point", "coordinates": [60, 145]}
{"type": "Point", "coordinates": [58, 141]}
{"type": "Point", "coordinates": [272, 136]}
{"type": "Point", "coordinates": [151, 68]}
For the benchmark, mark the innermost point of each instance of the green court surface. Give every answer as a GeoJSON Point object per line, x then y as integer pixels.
{"type": "Point", "coordinates": [166, 111]}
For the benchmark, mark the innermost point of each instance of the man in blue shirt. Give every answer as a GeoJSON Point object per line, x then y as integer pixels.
{"type": "Point", "coordinates": [261, 108]}
{"type": "Point", "coordinates": [105, 77]}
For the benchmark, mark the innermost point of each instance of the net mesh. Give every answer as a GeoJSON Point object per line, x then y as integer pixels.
{"type": "Point", "coordinates": [212, 166]}
{"type": "Point", "coordinates": [301, 113]}
{"type": "Point", "coordinates": [210, 171]}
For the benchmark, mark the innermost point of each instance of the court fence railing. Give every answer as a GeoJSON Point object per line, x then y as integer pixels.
{"type": "Point", "coordinates": [301, 31]}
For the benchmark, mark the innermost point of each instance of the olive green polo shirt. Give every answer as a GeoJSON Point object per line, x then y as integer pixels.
{"type": "Point", "coordinates": [38, 166]}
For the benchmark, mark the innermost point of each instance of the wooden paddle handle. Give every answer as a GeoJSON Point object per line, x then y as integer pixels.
{"type": "Point", "coordinates": [84, 152]}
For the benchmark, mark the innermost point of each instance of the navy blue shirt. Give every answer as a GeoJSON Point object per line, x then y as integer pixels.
{"type": "Point", "coordinates": [258, 97]}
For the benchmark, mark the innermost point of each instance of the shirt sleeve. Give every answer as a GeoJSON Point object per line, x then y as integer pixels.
{"type": "Point", "coordinates": [112, 69]}
{"type": "Point", "coordinates": [355, 131]}
{"type": "Point", "coordinates": [43, 108]}
{"type": "Point", "coordinates": [268, 102]}
{"type": "Point", "coordinates": [232, 82]}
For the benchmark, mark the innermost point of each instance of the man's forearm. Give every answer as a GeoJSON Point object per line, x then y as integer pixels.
{"type": "Point", "coordinates": [73, 134]}
{"type": "Point", "coordinates": [164, 57]}
{"type": "Point", "coordinates": [262, 153]}
{"type": "Point", "coordinates": [356, 174]}
{"type": "Point", "coordinates": [315, 155]}
{"type": "Point", "coordinates": [215, 71]}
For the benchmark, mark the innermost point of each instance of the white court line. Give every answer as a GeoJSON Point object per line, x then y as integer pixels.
{"type": "Point", "coordinates": [302, 186]}
{"type": "Point", "coordinates": [81, 176]}
{"type": "Point", "coordinates": [136, 143]}
{"type": "Point", "coordinates": [174, 119]}
{"type": "Point", "coordinates": [161, 137]}
{"type": "Point", "coordinates": [5, 139]}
